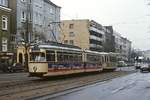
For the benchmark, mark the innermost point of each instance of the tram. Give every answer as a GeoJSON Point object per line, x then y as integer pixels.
{"type": "Point", "coordinates": [53, 60]}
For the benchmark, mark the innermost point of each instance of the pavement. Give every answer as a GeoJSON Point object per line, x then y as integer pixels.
{"type": "Point", "coordinates": [131, 87]}
{"type": "Point", "coordinates": [13, 77]}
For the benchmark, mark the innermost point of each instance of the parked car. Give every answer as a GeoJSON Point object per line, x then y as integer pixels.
{"type": "Point", "coordinates": [16, 67]}
{"type": "Point", "coordinates": [137, 65]}
{"type": "Point", "coordinates": [130, 64]}
{"type": "Point", "coordinates": [122, 64]}
{"type": "Point", "coordinates": [145, 67]}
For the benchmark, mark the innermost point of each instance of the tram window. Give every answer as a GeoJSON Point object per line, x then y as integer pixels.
{"type": "Point", "coordinates": [60, 57]}
{"type": "Point", "coordinates": [106, 60]}
{"type": "Point", "coordinates": [71, 58]}
{"type": "Point", "coordinates": [66, 58]}
{"type": "Point", "coordinates": [113, 59]}
{"type": "Point", "coordinates": [50, 57]}
{"type": "Point", "coordinates": [80, 58]}
{"type": "Point", "coordinates": [103, 59]}
{"type": "Point", "coordinates": [76, 58]}
{"type": "Point", "coordinates": [91, 58]}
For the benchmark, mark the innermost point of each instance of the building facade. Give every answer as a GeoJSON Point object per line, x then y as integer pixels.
{"type": "Point", "coordinates": [146, 55]}
{"type": "Point", "coordinates": [109, 44]}
{"type": "Point", "coordinates": [35, 19]}
{"type": "Point", "coordinates": [5, 34]}
{"type": "Point", "coordinates": [87, 34]}
{"type": "Point", "coordinates": [122, 46]}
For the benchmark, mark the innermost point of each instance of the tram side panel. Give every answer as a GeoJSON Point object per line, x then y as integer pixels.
{"type": "Point", "coordinates": [109, 62]}
{"type": "Point", "coordinates": [93, 63]}
{"type": "Point", "coordinates": [66, 63]}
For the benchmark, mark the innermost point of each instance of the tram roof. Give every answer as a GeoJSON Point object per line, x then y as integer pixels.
{"type": "Point", "coordinates": [102, 53]}
{"type": "Point", "coordinates": [55, 45]}
{"type": "Point", "coordinates": [60, 45]}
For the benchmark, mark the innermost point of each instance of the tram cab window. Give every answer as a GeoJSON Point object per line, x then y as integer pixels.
{"type": "Point", "coordinates": [36, 56]}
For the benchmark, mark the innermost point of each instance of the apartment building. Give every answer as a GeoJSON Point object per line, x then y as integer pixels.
{"type": "Point", "coordinates": [5, 34]}
{"type": "Point", "coordinates": [35, 19]}
{"type": "Point", "coordinates": [87, 34]}
{"type": "Point", "coordinates": [109, 44]}
{"type": "Point", "coordinates": [122, 46]}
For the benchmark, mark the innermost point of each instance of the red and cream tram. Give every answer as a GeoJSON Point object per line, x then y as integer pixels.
{"type": "Point", "coordinates": [51, 60]}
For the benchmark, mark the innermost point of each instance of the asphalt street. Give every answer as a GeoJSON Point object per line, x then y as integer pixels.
{"type": "Point", "coordinates": [9, 77]}
{"type": "Point", "coordinates": [132, 87]}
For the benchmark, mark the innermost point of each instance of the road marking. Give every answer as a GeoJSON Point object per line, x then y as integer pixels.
{"type": "Point", "coordinates": [123, 87]}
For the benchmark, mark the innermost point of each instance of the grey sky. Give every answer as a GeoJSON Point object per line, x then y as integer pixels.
{"type": "Point", "coordinates": [129, 17]}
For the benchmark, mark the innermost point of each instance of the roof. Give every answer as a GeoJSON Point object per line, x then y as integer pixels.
{"type": "Point", "coordinates": [48, 1]}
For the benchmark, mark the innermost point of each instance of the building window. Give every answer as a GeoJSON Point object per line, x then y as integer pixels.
{"type": "Point", "coordinates": [30, 17]}
{"type": "Point", "coordinates": [23, 0]}
{"type": "Point", "coordinates": [4, 44]}
{"type": "Point", "coordinates": [71, 26]}
{"type": "Point", "coordinates": [38, 18]}
{"type": "Point", "coordinates": [4, 2]}
{"type": "Point", "coordinates": [71, 42]}
{"type": "Point", "coordinates": [71, 34]}
{"type": "Point", "coordinates": [4, 22]}
{"type": "Point", "coordinates": [66, 42]}
{"type": "Point", "coordinates": [51, 10]}
{"type": "Point", "coordinates": [23, 16]}
{"type": "Point", "coordinates": [30, 1]}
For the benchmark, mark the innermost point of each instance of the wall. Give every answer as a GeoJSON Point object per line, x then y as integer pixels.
{"type": "Point", "coordinates": [80, 30]}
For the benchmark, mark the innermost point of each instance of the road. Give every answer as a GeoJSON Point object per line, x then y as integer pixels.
{"type": "Point", "coordinates": [13, 77]}
{"type": "Point", "coordinates": [17, 86]}
{"type": "Point", "coordinates": [132, 87]}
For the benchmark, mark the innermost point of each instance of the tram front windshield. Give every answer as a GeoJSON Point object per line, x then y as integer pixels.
{"type": "Point", "coordinates": [37, 56]}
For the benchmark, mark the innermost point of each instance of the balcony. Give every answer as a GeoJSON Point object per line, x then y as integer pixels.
{"type": "Point", "coordinates": [96, 30]}
{"type": "Point", "coordinates": [96, 38]}
{"type": "Point", "coordinates": [96, 42]}
{"type": "Point", "coordinates": [95, 46]}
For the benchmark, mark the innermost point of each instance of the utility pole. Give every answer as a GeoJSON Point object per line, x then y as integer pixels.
{"type": "Point", "coordinates": [27, 35]}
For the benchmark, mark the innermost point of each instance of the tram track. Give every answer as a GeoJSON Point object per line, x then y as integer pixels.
{"type": "Point", "coordinates": [32, 89]}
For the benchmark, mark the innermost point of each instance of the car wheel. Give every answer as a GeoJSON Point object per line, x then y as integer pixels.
{"type": "Point", "coordinates": [12, 70]}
